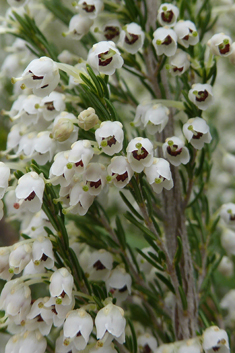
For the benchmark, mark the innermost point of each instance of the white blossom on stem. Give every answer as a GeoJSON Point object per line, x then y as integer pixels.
{"type": "Point", "coordinates": [220, 45]}
{"type": "Point", "coordinates": [167, 14]}
{"type": "Point", "coordinates": [119, 171]}
{"type": "Point", "coordinates": [99, 265]}
{"type": "Point", "coordinates": [159, 175]}
{"type": "Point", "coordinates": [20, 257]}
{"type": "Point", "coordinates": [187, 33]}
{"type": "Point", "coordinates": [111, 30]}
{"type": "Point", "coordinates": [215, 339]}
{"type": "Point", "coordinates": [78, 26]}
{"type": "Point", "coordinates": [132, 38]}
{"type": "Point", "coordinates": [227, 213]}
{"type": "Point", "coordinates": [105, 58]}
{"type": "Point", "coordinates": [179, 63]}
{"type": "Point", "coordinates": [175, 151]}
{"type": "Point", "coordinates": [110, 137]}
{"type": "Point", "coordinates": [140, 153]}
{"type": "Point", "coordinates": [90, 8]}
{"type": "Point", "coordinates": [61, 286]}
{"type": "Point", "coordinates": [119, 284]}
{"type": "Point", "coordinates": [42, 253]}
{"type": "Point", "coordinates": [201, 95]}
{"type": "Point", "coordinates": [81, 153]}
{"type": "Point", "coordinates": [197, 132]}
{"type": "Point", "coordinates": [147, 343]}
{"type": "Point", "coordinates": [156, 118]}
{"type": "Point", "coordinates": [165, 41]}
{"type": "Point", "coordinates": [94, 178]}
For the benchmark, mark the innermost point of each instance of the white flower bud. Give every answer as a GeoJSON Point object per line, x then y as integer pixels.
{"type": "Point", "coordinates": [215, 339]}
{"type": "Point", "coordinates": [175, 151]}
{"type": "Point", "coordinates": [110, 137]}
{"type": "Point", "coordinates": [105, 58]}
{"type": "Point", "coordinates": [132, 38]}
{"type": "Point", "coordinates": [62, 129]}
{"type": "Point", "coordinates": [111, 319]}
{"type": "Point", "coordinates": [201, 95]}
{"type": "Point", "coordinates": [186, 33]}
{"type": "Point", "coordinates": [87, 119]}
{"type": "Point", "coordinates": [220, 44]}
{"type": "Point", "coordinates": [140, 153]}
{"type": "Point", "coordinates": [165, 41]}
{"type": "Point", "coordinates": [197, 132]}
{"type": "Point", "coordinates": [167, 14]}
{"type": "Point", "coordinates": [159, 175]}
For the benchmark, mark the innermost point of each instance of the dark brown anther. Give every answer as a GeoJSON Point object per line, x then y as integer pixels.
{"type": "Point", "coordinates": [49, 106]}
{"type": "Point", "coordinates": [202, 96]}
{"type": "Point", "coordinates": [131, 38]}
{"type": "Point", "coordinates": [31, 196]}
{"type": "Point", "coordinates": [180, 69]}
{"type": "Point", "coordinates": [104, 62]}
{"type": "Point", "coordinates": [167, 40]}
{"type": "Point", "coordinates": [173, 153]}
{"type": "Point", "coordinates": [123, 289]}
{"type": "Point", "coordinates": [167, 16]}
{"type": "Point", "coordinates": [140, 156]}
{"type": "Point", "coordinates": [111, 32]}
{"type": "Point", "coordinates": [96, 184]}
{"type": "Point", "coordinates": [99, 266]}
{"type": "Point", "coordinates": [224, 49]}
{"type": "Point", "coordinates": [44, 86]}
{"type": "Point", "coordinates": [79, 164]}
{"type": "Point", "coordinates": [36, 77]}
{"type": "Point", "coordinates": [197, 135]}
{"type": "Point", "coordinates": [121, 177]}
{"type": "Point", "coordinates": [88, 8]}
{"type": "Point", "coordinates": [110, 140]}
{"type": "Point", "coordinates": [44, 257]}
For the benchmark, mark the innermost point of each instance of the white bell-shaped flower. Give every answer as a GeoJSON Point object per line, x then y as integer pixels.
{"type": "Point", "coordinates": [227, 214]}
{"type": "Point", "coordinates": [58, 311]}
{"type": "Point", "coordinates": [29, 114]}
{"type": "Point", "coordinates": [156, 118]}
{"type": "Point", "coordinates": [13, 344]}
{"type": "Point", "coordinates": [20, 257]}
{"type": "Point", "coordinates": [45, 147]}
{"type": "Point", "coordinates": [87, 119]}
{"type": "Point", "coordinates": [35, 227]}
{"type": "Point", "coordinates": [179, 63]}
{"type": "Point", "coordinates": [39, 317]}
{"type": "Point", "coordinates": [175, 151]}
{"type": "Point", "coordinates": [215, 340]}
{"type": "Point", "coordinates": [159, 175]}
{"type": "Point", "coordinates": [119, 171]}
{"type": "Point", "coordinates": [147, 343]}
{"type": "Point", "coordinates": [15, 300]}
{"type": "Point", "coordinates": [42, 75]}
{"type": "Point", "coordinates": [165, 41]}
{"type": "Point", "coordinates": [228, 163]}
{"type": "Point", "coordinates": [186, 33]}
{"type": "Point", "coordinates": [26, 144]}
{"type": "Point", "coordinates": [132, 38]}
{"type": "Point", "coordinates": [99, 265]}
{"type": "Point", "coordinates": [110, 137]}
{"type": "Point", "coordinates": [33, 341]}
{"type": "Point", "coordinates": [78, 326]}
{"type": "Point", "coordinates": [201, 95]}
{"type": "Point", "coordinates": [104, 349]}
{"type": "Point", "coordinates": [119, 284]}
{"type": "Point", "coordinates": [111, 319]}
{"type": "Point", "coordinates": [140, 153]}
{"type": "Point", "coordinates": [42, 253]}
{"type": "Point", "coordinates": [105, 58]}
{"type": "Point", "coordinates": [111, 30]}
{"type": "Point", "coordinates": [5, 175]}
{"type": "Point", "coordinates": [220, 44]}
{"type": "Point", "coordinates": [167, 14]}
{"type": "Point", "coordinates": [81, 153]}
{"type": "Point", "coordinates": [94, 178]}
{"type": "Point", "coordinates": [80, 200]}
{"type": "Point", "coordinates": [90, 8]}
{"type": "Point", "coordinates": [59, 172]}
{"type": "Point", "coordinates": [61, 286]}
{"type": "Point", "coordinates": [29, 192]}
{"type": "Point", "coordinates": [197, 132]}
{"type": "Point", "coordinates": [79, 25]}
{"type": "Point", "coordinates": [140, 113]}
{"type": "Point", "coordinates": [228, 301]}
{"type": "Point", "coordinates": [226, 266]}
{"type": "Point", "coordinates": [14, 137]}
{"type": "Point", "coordinates": [228, 241]}
{"type": "Point", "coordinates": [52, 105]}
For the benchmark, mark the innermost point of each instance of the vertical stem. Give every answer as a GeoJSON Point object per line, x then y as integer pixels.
{"type": "Point", "coordinates": [185, 323]}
